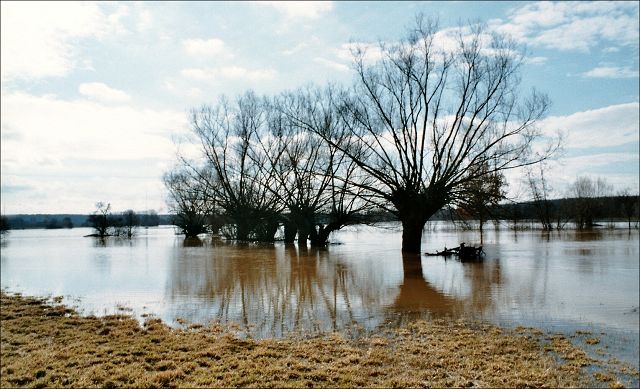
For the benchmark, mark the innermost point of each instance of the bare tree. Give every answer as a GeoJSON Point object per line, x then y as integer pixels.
{"type": "Point", "coordinates": [189, 200]}
{"type": "Point", "coordinates": [315, 178]}
{"type": "Point", "coordinates": [420, 121]}
{"type": "Point", "coordinates": [629, 204]}
{"type": "Point", "coordinates": [541, 192]}
{"type": "Point", "coordinates": [298, 164]}
{"type": "Point", "coordinates": [100, 220]}
{"type": "Point", "coordinates": [481, 196]}
{"type": "Point", "coordinates": [233, 175]}
{"type": "Point", "coordinates": [587, 195]}
{"type": "Point", "coordinates": [128, 223]}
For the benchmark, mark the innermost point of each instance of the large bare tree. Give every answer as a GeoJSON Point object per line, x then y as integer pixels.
{"type": "Point", "coordinates": [315, 178]}
{"type": "Point", "coordinates": [421, 120]}
{"type": "Point", "coordinates": [229, 136]}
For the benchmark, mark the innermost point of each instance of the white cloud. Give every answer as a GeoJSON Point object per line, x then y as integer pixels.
{"type": "Point", "coordinates": [542, 14]}
{"type": "Point", "coordinates": [332, 64]}
{"type": "Point", "coordinates": [38, 38]}
{"type": "Point", "coordinates": [229, 72]}
{"type": "Point", "coordinates": [195, 93]}
{"type": "Point", "coordinates": [299, 9]}
{"type": "Point", "coordinates": [595, 165]}
{"type": "Point", "coordinates": [238, 72]}
{"type": "Point", "coordinates": [198, 74]}
{"type": "Point", "coordinates": [84, 129]}
{"type": "Point", "coordinates": [295, 49]}
{"type": "Point", "coordinates": [446, 40]}
{"type": "Point", "coordinates": [603, 127]}
{"type": "Point", "coordinates": [595, 160]}
{"type": "Point", "coordinates": [536, 60]}
{"type": "Point", "coordinates": [611, 72]}
{"type": "Point", "coordinates": [573, 25]}
{"type": "Point", "coordinates": [562, 173]}
{"type": "Point", "coordinates": [169, 85]}
{"type": "Point", "coordinates": [372, 51]}
{"type": "Point", "coordinates": [101, 92]}
{"type": "Point", "coordinates": [75, 152]}
{"type": "Point", "coordinates": [116, 19]}
{"type": "Point", "coordinates": [145, 20]}
{"type": "Point", "coordinates": [207, 48]}
{"type": "Point", "coordinates": [138, 186]}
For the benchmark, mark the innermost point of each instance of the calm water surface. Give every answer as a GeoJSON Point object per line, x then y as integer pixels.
{"type": "Point", "coordinates": [559, 281]}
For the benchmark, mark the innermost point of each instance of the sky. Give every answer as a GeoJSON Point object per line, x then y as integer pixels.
{"type": "Point", "coordinates": [95, 95]}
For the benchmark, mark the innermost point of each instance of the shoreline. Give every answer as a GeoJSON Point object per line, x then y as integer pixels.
{"type": "Point", "coordinates": [46, 343]}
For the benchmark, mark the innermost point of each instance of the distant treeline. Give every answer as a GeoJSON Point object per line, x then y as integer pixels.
{"type": "Point", "coordinates": [55, 221]}
{"type": "Point", "coordinates": [582, 212]}
{"type": "Point", "coordinates": [577, 212]}
{"type": "Point", "coordinates": [559, 212]}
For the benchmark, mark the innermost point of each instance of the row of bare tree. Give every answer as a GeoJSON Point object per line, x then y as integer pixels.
{"type": "Point", "coordinates": [262, 169]}
{"type": "Point", "coordinates": [588, 200]}
{"type": "Point", "coordinates": [420, 128]}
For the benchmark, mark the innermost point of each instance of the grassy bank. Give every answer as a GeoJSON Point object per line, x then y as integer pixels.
{"type": "Point", "coordinates": [44, 343]}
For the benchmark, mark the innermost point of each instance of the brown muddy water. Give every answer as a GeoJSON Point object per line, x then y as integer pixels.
{"type": "Point", "coordinates": [562, 282]}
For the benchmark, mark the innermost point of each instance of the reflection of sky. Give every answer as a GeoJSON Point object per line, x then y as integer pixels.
{"type": "Point", "coordinates": [62, 262]}
{"type": "Point", "coordinates": [563, 279]}
{"type": "Point", "coordinates": [526, 278]}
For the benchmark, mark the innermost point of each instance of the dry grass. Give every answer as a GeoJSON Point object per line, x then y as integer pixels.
{"type": "Point", "coordinates": [47, 344]}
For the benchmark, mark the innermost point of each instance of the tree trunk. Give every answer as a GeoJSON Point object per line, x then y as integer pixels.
{"type": "Point", "coordinates": [321, 238]}
{"type": "Point", "coordinates": [268, 231]}
{"type": "Point", "coordinates": [290, 232]}
{"type": "Point", "coordinates": [305, 228]}
{"type": "Point", "coordinates": [302, 237]}
{"type": "Point", "coordinates": [412, 235]}
{"type": "Point", "coordinates": [414, 209]}
{"type": "Point", "coordinates": [316, 238]}
{"type": "Point", "coordinates": [242, 230]}
{"type": "Point", "coordinates": [313, 236]}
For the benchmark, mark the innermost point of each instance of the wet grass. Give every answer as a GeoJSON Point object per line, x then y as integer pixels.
{"type": "Point", "coordinates": [46, 344]}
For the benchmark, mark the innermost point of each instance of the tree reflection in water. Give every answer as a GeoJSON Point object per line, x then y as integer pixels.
{"type": "Point", "coordinates": [192, 241]}
{"type": "Point", "coordinates": [272, 290]}
{"type": "Point", "coordinates": [417, 298]}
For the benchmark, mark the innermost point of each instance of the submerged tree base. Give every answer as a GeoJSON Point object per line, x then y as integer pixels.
{"type": "Point", "coordinates": [48, 344]}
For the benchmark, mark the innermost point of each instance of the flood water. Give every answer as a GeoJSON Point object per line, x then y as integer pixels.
{"type": "Point", "coordinates": [558, 281]}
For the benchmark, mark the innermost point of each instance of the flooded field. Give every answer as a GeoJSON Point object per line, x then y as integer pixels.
{"type": "Point", "coordinates": [561, 282]}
